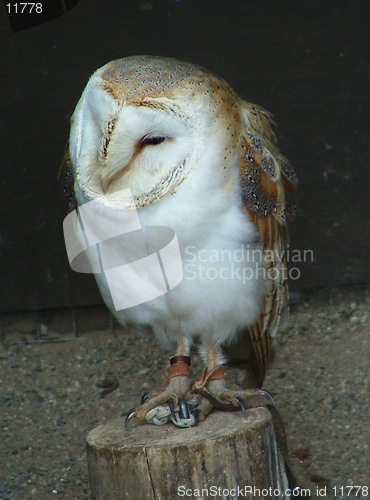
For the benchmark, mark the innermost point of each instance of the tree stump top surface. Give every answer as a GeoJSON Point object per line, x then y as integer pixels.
{"type": "Point", "coordinates": [217, 425]}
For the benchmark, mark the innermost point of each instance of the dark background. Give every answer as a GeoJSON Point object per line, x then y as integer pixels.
{"type": "Point", "coordinates": [305, 61]}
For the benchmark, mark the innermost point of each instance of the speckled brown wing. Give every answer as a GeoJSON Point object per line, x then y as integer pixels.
{"type": "Point", "coordinates": [66, 177]}
{"type": "Point", "coordinates": [268, 193]}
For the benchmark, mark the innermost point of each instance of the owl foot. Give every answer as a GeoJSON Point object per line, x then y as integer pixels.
{"type": "Point", "coordinates": [170, 404]}
{"type": "Point", "coordinates": [211, 386]}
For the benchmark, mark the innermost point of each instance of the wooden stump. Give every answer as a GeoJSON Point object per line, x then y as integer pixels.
{"type": "Point", "coordinates": [227, 451]}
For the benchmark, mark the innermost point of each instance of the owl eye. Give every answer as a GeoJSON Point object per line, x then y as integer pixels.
{"type": "Point", "coordinates": [153, 141]}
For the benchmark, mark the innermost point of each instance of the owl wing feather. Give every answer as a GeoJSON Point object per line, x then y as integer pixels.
{"type": "Point", "coordinates": [66, 176]}
{"type": "Point", "coordinates": [268, 194]}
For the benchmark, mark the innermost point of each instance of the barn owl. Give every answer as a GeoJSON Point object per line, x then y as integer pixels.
{"type": "Point", "coordinates": [199, 160]}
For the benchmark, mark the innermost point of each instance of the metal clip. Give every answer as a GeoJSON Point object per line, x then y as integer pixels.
{"type": "Point", "coordinates": [162, 414]}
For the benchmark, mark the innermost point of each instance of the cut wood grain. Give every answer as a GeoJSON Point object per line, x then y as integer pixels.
{"type": "Point", "coordinates": [227, 451]}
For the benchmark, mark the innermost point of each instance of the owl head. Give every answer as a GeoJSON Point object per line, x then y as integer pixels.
{"type": "Point", "coordinates": [147, 123]}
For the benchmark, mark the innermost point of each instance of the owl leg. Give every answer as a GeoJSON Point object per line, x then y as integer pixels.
{"type": "Point", "coordinates": [211, 385]}
{"type": "Point", "coordinates": [178, 382]}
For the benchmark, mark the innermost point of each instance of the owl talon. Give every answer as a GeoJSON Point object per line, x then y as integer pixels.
{"type": "Point", "coordinates": [129, 416]}
{"type": "Point", "coordinates": [267, 395]}
{"type": "Point", "coordinates": [196, 417]}
{"type": "Point", "coordinates": [241, 403]}
{"type": "Point", "coordinates": [144, 397]}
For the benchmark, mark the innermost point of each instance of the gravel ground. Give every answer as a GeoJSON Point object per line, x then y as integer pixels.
{"type": "Point", "coordinates": [49, 399]}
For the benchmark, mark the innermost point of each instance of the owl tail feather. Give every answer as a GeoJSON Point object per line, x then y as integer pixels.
{"type": "Point", "coordinates": [263, 399]}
